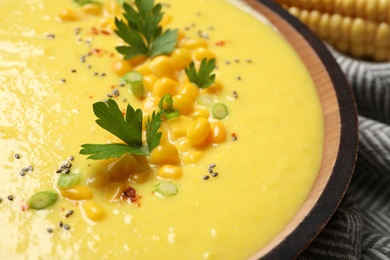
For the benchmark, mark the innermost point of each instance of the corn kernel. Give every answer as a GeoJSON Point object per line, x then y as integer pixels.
{"type": "Point", "coordinates": [198, 131]}
{"type": "Point", "coordinates": [77, 192]}
{"type": "Point", "coordinates": [162, 66]}
{"type": "Point", "coordinates": [193, 43]}
{"type": "Point", "coordinates": [190, 90]}
{"type": "Point", "coordinates": [166, 19]}
{"type": "Point", "coordinates": [183, 145]}
{"type": "Point", "coordinates": [121, 67]}
{"type": "Point", "coordinates": [93, 210]}
{"type": "Point", "coordinates": [183, 103]}
{"type": "Point", "coordinates": [164, 86]}
{"type": "Point", "coordinates": [181, 58]}
{"type": "Point", "coordinates": [113, 191]}
{"type": "Point", "coordinates": [202, 53]}
{"type": "Point", "coordinates": [137, 60]}
{"type": "Point", "coordinates": [168, 171]}
{"type": "Point", "coordinates": [92, 9]}
{"type": "Point", "coordinates": [164, 153]}
{"type": "Point", "coordinates": [193, 157]}
{"type": "Point", "coordinates": [148, 81]}
{"type": "Point", "coordinates": [122, 168]}
{"type": "Point", "coordinates": [68, 15]}
{"type": "Point", "coordinates": [178, 127]}
{"type": "Point", "coordinates": [144, 69]}
{"type": "Point", "coordinates": [215, 88]}
{"type": "Point", "coordinates": [358, 31]}
{"type": "Point", "coordinates": [112, 8]}
{"type": "Point", "coordinates": [150, 103]}
{"type": "Point", "coordinates": [382, 36]}
{"type": "Point", "coordinates": [98, 180]}
{"type": "Point", "coordinates": [139, 177]}
{"type": "Point", "coordinates": [217, 132]}
{"type": "Point", "coordinates": [107, 23]}
{"type": "Point", "coordinates": [205, 113]}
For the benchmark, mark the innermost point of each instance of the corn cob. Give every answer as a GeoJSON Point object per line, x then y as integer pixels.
{"type": "Point", "coordinates": [360, 28]}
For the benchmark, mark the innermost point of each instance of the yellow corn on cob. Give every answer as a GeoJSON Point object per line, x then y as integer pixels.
{"type": "Point", "coordinates": [360, 28]}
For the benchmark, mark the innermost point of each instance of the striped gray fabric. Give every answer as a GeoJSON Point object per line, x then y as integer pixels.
{"type": "Point", "coordinates": [360, 228]}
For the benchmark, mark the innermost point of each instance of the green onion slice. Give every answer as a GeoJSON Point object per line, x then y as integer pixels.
{"type": "Point", "coordinates": [165, 188]}
{"type": "Point", "coordinates": [205, 100]}
{"type": "Point", "coordinates": [43, 199]}
{"type": "Point", "coordinates": [68, 180]}
{"type": "Point", "coordinates": [134, 80]}
{"type": "Point", "coordinates": [219, 111]}
{"type": "Point", "coordinates": [165, 105]}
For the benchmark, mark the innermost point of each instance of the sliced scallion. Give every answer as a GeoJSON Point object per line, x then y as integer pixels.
{"type": "Point", "coordinates": [165, 188]}
{"type": "Point", "coordinates": [205, 100]}
{"type": "Point", "coordinates": [219, 111]}
{"type": "Point", "coordinates": [68, 180]}
{"type": "Point", "coordinates": [166, 107]}
{"type": "Point", "coordinates": [43, 199]}
{"type": "Point", "coordinates": [134, 80]}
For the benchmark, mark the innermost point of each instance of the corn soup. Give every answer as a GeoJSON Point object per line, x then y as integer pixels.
{"type": "Point", "coordinates": [236, 175]}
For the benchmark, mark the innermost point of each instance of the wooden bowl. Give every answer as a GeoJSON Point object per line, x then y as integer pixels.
{"type": "Point", "coordinates": [341, 135]}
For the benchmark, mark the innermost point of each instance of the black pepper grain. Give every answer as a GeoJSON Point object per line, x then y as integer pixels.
{"type": "Point", "coordinates": [22, 173]}
{"type": "Point", "coordinates": [17, 156]}
{"type": "Point", "coordinates": [212, 165]}
{"type": "Point", "coordinates": [215, 174]}
{"type": "Point", "coordinates": [10, 197]}
{"type": "Point", "coordinates": [66, 226]}
{"type": "Point", "coordinates": [69, 213]}
{"type": "Point", "coordinates": [73, 71]}
{"type": "Point", "coordinates": [61, 224]}
{"type": "Point", "coordinates": [210, 170]}
{"type": "Point", "coordinates": [49, 230]}
{"type": "Point", "coordinates": [1, 200]}
{"type": "Point", "coordinates": [71, 157]}
{"type": "Point", "coordinates": [206, 177]}
{"type": "Point", "coordinates": [235, 94]}
{"type": "Point", "coordinates": [30, 168]}
{"type": "Point", "coordinates": [63, 80]}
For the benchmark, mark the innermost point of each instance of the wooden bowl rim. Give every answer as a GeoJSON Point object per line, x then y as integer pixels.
{"type": "Point", "coordinates": [341, 135]}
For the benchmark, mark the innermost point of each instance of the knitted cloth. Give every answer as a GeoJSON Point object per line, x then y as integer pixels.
{"type": "Point", "coordinates": [360, 228]}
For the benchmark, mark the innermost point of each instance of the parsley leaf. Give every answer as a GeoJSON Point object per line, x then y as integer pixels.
{"type": "Point", "coordinates": [203, 78]}
{"type": "Point", "coordinates": [127, 128]}
{"type": "Point", "coordinates": [142, 31]}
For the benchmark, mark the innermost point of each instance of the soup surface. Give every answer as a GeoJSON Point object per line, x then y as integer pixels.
{"type": "Point", "coordinates": [51, 72]}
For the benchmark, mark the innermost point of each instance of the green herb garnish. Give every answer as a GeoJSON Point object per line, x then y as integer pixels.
{"type": "Point", "coordinates": [128, 128]}
{"type": "Point", "coordinates": [166, 107]}
{"type": "Point", "coordinates": [219, 111]}
{"type": "Point", "coordinates": [142, 31]}
{"type": "Point", "coordinates": [84, 2]}
{"type": "Point", "coordinates": [42, 199]}
{"type": "Point", "coordinates": [66, 181]}
{"type": "Point", "coordinates": [203, 77]}
{"type": "Point", "coordinates": [165, 188]}
{"type": "Point", "coordinates": [133, 79]}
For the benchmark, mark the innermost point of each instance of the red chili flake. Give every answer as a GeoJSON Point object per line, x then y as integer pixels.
{"type": "Point", "coordinates": [129, 194]}
{"type": "Point", "coordinates": [234, 136]}
{"type": "Point", "coordinates": [24, 207]}
{"type": "Point", "coordinates": [220, 43]}
{"type": "Point", "coordinates": [94, 31]}
{"type": "Point", "coordinates": [90, 96]}
{"type": "Point", "coordinates": [105, 32]}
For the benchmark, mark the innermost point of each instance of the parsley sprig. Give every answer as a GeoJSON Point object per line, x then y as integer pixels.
{"type": "Point", "coordinates": [128, 128]}
{"type": "Point", "coordinates": [142, 31]}
{"type": "Point", "coordinates": [203, 77]}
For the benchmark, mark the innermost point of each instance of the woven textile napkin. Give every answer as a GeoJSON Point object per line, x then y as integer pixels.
{"type": "Point", "coordinates": [360, 228]}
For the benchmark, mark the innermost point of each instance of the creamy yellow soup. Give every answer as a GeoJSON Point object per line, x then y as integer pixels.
{"type": "Point", "coordinates": [53, 70]}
